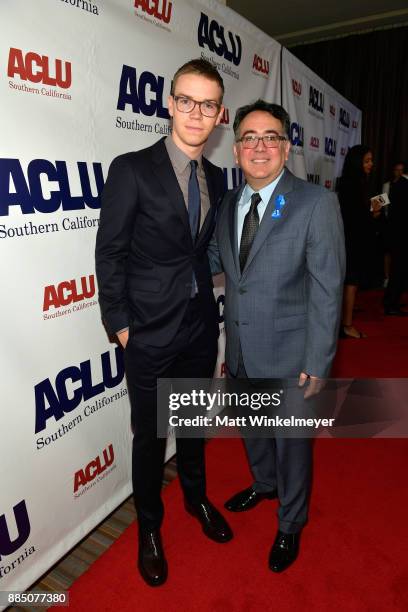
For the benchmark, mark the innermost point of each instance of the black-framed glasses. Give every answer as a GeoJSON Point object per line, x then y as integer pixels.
{"type": "Point", "coordinates": [271, 141]}
{"type": "Point", "coordinates": [208, 108]}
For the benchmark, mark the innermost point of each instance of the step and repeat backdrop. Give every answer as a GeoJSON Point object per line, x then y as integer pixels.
{"type": "Point", "coordinates": [81, 82]}
{"type": "Point", "coordinates": [323, 123]}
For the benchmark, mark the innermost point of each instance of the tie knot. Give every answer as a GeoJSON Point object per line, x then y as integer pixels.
{"type": "Point", "coordinates": [193, 165]}
{"type": "Point", "coordinates": [255, 199]}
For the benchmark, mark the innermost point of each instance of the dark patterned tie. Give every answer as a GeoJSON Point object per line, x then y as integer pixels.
{"type": "Point", "coordinates": [194, 200]}
{"type": "Point", "coordinates": [194, 211]}
{"type": "Point", "coordinates": [251, 224]}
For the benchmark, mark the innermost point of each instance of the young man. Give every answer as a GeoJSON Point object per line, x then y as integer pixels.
{"type": "Point", "coordinates": [156, 294]}
{"type": "Point", "coordinates": [281, 246]}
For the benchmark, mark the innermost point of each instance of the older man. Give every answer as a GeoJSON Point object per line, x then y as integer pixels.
{"type": "Point", "coordinates": [281, 247]}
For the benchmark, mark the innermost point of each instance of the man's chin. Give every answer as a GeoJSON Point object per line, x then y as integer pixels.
{"type": "Point", "coordinates": [197, 141]}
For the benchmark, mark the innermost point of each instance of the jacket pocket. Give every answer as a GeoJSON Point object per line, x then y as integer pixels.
{"type": "Point", "coordinates": [141, 283]}
{"type": "Point", "coordinates": [277, 237]}
{"type": "Point", "coordinates": [293, 322]}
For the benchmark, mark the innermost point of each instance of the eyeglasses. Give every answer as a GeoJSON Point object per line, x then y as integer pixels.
{"type": "Point", "coordinates": [208, 108]}
{"type": "Point", "coordinates": [270, 141]}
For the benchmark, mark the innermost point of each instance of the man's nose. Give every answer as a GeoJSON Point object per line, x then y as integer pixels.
{"type": "Point", "coordinates": [260, 144]}
{"type": "Point", "coordinates": [196, 112]}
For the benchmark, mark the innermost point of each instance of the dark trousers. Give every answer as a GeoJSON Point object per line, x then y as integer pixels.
{"type": "Point", "coordinates": [398, 274]}
{"type": "Point", "coordinates": [283, 465]}
{"type": "Point", "coordinates": [192, 354]}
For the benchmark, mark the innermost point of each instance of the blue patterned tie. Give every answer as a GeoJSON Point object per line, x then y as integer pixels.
{"type": "Point", "coordinates": [194, 201]}
{"type": "Point", "coordinates": [194, 211]}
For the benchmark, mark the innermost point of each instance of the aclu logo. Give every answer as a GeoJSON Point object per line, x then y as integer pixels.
{"type": "Point", "coordinates": [68, 292]}
{"type": "Point", "coordinates": [47, 187]}
{"type": "Point", "coordinates": [225, 118]}
{"type": "Point", "coordinates": [313, 178]}
{"type": "Point", "coordinates": [344, 118]}
{"type": "Point", "coordinates": [314, 143]}
{"type": "Point", "coordinates": [158, 9]}
{"type": "Point", "coordinates": [297, 88]}
{"type": "Point", "coordinates": [343, 151]}
{"type": "Point", "coordinates": [55, 398]}
{"type": "Point", "coordinates": [233, 177]}
{"type": "Point", "coordinates": [94, 469]}
{"type": "Point", "coordinates": [213, 36]}
{"type": "Point", "coordinates": [332, 110]}
{"type": "Point", "coordinates": [145, 94]}
{"type": "Point", "coordinates": [354, 124]}
{"type": "Point", "coordinates": [330, 146]}
{"type": "Point", "coordinates": [328, 184]}
{"type": "Point", "coordinates": [21, 526]}
{"type": "Point", "coordinates": [316, 100]}
{"type": "Point", "coordinates": [296, 135]}
{"type": "Point", "coordinates": [37, 68]}
{"type": "Point", "coordinates": [260, 65]}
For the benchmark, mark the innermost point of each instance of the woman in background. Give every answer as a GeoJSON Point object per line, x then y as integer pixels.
{"type": "Point", "coordinates": [354, 192]}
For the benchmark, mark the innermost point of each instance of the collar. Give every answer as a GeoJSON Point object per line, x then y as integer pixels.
{"type": "Point", "coordinates": [178, 158]}
{"type": "Point", "coordinates": [265, 193]}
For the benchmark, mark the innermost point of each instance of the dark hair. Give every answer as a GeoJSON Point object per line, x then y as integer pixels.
{"type": "Point", "coordinates": [201, 67]}
{"type": "Point", "coordinates": [275, 110]}
{"type": "Point", "coordinates": [398, 162]}
{"type": "Point", "coordinates": [353, 163]}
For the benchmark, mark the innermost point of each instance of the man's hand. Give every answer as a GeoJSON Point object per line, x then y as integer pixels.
{"type": "Point", "coordinates": [123, 337]}
{"type": "Point", "coordinates": [315, 384]}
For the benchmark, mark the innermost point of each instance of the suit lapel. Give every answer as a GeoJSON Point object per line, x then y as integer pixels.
{"type": "Point", "coordinates": [270, 224]}
{"type": "Point", "coordinates": [166, 176]}
{"type": "Point", "coordinates": [232, 226]}
{"type": "Point", "coordinates": [209, 219]}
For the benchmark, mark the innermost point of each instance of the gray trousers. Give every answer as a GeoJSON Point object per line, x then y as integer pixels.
{"type": "Point", "coordinates": [283, 465]}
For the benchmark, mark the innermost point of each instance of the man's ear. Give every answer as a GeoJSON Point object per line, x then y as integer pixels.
{"type": "Point", "coordinates": [236, 157]}
{"type": "Point", "coordinates": [170, 105]}
{"type": "Point", "coordinates": [287, 149]}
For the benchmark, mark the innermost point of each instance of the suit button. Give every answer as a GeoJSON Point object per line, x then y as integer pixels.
{"type": "Point", "coordinates": [241, 290]}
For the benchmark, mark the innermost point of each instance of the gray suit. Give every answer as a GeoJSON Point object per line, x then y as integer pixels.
{"type": "Point", "coordinates": [282, 316]}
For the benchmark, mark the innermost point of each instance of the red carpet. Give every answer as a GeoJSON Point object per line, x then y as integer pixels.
{"type": "Point", "coordinates": [384, 353]}
{"type": "Point", "coordinates": [353, 553]}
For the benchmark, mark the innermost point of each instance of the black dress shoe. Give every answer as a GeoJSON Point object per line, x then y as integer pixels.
{"type": "Point", "coordinates": [152, 563]}
{"type": "Point", "coordinates": [395, 312]}
{"type": "Point", "coordinates": [284, 551]}
{"type": "Point", "coordinates": [213, 523]}
{"type": "Point", "coordinates": [247, 499]}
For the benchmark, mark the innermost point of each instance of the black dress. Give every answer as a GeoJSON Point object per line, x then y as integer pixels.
{"type": "Point", "coordinates": [358, 227]}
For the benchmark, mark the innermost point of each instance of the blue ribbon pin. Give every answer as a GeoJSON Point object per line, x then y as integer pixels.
{"type": "Point", "coordinates": [279, 203]}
